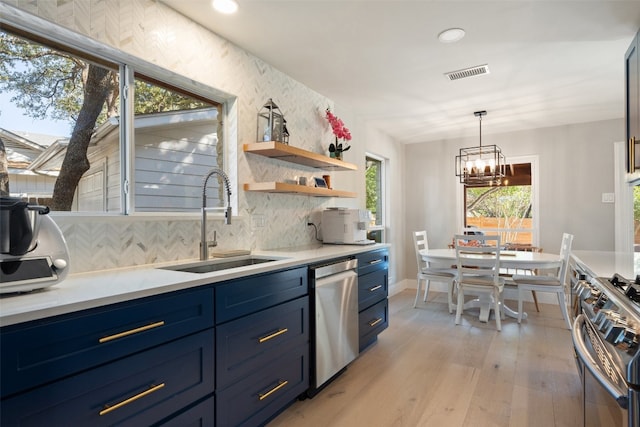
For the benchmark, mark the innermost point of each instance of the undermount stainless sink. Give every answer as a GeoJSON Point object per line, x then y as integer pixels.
{"type": "Point", "coordinates": [218, 264]}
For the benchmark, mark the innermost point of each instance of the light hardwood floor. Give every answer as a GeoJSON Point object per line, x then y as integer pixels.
{"type": "Point", "coordinates": [426, 371]}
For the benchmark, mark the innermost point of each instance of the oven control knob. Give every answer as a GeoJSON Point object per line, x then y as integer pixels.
{"type": "Point", "coordinates": [60, 263]}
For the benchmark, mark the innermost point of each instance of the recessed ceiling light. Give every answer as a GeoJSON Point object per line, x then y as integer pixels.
{"type": "Point", "coordinates": [225, 6]}
{"type": "Point", "coordinates": [451, 35]}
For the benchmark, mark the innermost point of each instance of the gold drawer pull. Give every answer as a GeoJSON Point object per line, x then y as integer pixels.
{"type": "Point", "coordinates": [375, 288]}
{"type": "Point", "coordinates": [375, 261]}
{"type": "Point", "coordinates": [131, 332]}
{"type": "Point", "coordinates": [375, 322]}
{"type": "Point", "coordinates": [281, 384]}
{"type": "Point", "coordinates": [273, 335]}
{"type": "Point", "coordinates": [108, 408]}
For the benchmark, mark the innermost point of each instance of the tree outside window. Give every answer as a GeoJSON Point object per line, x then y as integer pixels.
{"type": "Point", "coordinates": [174, 127]}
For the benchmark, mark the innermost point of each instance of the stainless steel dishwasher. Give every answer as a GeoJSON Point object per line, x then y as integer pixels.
{"type": "Point", "coordinates": [334, 322]}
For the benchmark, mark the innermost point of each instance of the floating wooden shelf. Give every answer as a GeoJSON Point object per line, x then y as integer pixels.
{"type": "Point", "coordinates": [277, 150]}
{"type": "Point", "coordinates": [282, 187]}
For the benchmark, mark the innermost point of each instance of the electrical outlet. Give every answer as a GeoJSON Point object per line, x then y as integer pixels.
{"type": "Point", "coordinates": [257, 221]}
{"type": "Point", "coordinates": [608, 197]}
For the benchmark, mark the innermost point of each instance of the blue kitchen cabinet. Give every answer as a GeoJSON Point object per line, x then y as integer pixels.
{"type": "Point", "coordinates": [262, 346]}
{"type": "Point", "coordinates": [46, 350]}
{"type": "Point", "coordinates": [154, 361]}
{"type": "Point", "coordinates": [141, 389]}
{"type": "Point", "coordinates": [373, 290]}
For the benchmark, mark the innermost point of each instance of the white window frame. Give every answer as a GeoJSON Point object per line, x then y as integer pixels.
{"type": "Point", "coordinates": [51, 34]}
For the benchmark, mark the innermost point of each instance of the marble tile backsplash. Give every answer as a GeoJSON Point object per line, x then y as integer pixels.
{"type": "Point", "coordinates": [155, 33]}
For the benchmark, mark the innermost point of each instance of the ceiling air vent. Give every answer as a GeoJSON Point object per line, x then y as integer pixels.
{"type": "Point", "coordinates": [468, 72]}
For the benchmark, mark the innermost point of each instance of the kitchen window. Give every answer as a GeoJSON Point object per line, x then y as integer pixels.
{"type": "Point", "coordinates": [147, 151]}
{"type": "Point", "coordinates": [375, 196]}
{"type": "Point", "coordinates": [507, 209]}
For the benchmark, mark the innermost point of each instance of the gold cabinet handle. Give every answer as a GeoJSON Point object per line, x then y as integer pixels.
{"type": "Point", "coordinates": [375, 261]}
{"type": "Point", "coordinates": [281, 384]}
{"type": "Point", "coordinates": [375, 322]}
{"type": "Point", "coordinates": [375, 288]}
{"type": "Point", "coordinates": [131, 332]}
{"type": "Point", "coordinates": [273, 335]}
{"type": "Point", "coordinates": [109, 408]}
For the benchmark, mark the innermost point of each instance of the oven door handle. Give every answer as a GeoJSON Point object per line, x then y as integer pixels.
{"type": "Point", "coordinates": [620, 395]}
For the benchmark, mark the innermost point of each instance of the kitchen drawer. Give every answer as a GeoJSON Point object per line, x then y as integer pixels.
{"type": "Point", "coordinates": [255, 399]}
{"type": "Point", "coordinates": [372, 261]}
{"type": "Point", "coordinates": [240, 297]}
{"type": "Point", "coordinates": [135, 391]}
{"type": "Point", "coordinates": [39, 352]}
{"type": "Point", "coordinates": [244, 345]}
{"type": "Point", "coordinates": [200, 415]}
{"type": "Point", "coordinates": [373, 320]}
{"type": "Point", "coordinates": [372, 288]}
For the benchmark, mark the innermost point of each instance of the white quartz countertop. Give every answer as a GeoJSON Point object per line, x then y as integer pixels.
{"type": "Point", "coordinates": [605, 264]}
{"type": "Point", "coordinates": [90, 290]}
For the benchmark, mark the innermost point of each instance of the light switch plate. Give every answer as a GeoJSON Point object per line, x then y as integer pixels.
{"type": "Point", "coordinates": [608, 197]}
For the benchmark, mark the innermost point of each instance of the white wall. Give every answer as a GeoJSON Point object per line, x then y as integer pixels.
{"type": "Point", "coordinates": [576, 167]}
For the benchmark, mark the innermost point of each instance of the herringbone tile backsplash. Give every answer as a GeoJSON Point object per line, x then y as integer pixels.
{"type": "Point", "coordinates": [155, 33]}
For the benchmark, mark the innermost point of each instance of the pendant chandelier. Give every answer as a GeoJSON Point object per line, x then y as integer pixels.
{"type": "Point", "coordinates": [480, 166]}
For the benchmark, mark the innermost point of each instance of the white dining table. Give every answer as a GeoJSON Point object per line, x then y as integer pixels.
{"type": "Point", "coordinates": [511, 260]}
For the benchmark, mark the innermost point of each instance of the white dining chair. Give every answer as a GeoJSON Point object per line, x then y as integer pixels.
{"type": "Point", "coordinates": [479, 272]}
{"type": "Point", "coordinates": [427, 273]}
{"type": "Point", "coordinates": [548, 283]}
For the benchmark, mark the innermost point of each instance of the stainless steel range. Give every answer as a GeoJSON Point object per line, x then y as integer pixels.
{"type": "Point", "coordinates": [606, 335]}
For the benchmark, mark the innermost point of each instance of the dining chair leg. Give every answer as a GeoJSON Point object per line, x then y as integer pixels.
{"type": "Point", "coordinates": [426, 290]}
{"type": "Point", "coordinates": [535, 300]}
{"type": "Point", "coordinates": [563, 308]}
{"type": "Point", "coordinates": [520, 298]}
{"type": "Point", "coordinates": [450, 296]}
{"type": "Point", "coordinates": [415, 303]}
{"type": "Point", "coordinates": [460, 305]}
{"type": "Point", "coordinates": [496, 308]}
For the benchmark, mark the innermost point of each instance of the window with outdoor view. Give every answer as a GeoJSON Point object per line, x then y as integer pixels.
{"type": "Point", "coordinates": [52, 104]}
{"type": "Point", "coordinates": [176, 144]}
{"type": "Point", "coordinates": [505, 209]}
{"type": "Point", "coordinates": [61, 114]}
{"type": "Point", "coordinates": [374, 176]}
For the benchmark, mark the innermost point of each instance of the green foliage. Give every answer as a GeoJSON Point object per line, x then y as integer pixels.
{"type": "Point", "coordinates": [50, 84]}
{"type": "Point", "coordinates": [45, 82]}
{"type": "Point", "coordinates": [151, 98]}
{"type": "Point", "coordinates": [499, 202]}
{"type": "Point", "coordinates": [372, 183]}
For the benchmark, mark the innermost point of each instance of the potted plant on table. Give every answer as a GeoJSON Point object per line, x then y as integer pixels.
{"type": "Point", "coordinates": [341, 132]}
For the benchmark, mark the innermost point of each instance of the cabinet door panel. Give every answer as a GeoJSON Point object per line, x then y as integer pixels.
{"type": "Point", "coordinates": [373, 320]}
{"type": "Point", "coordinates": [255, 399]}
{"type": "Point", "coordinates": [372, 287]}
{"type": "Point", "coordinates": [244, 296]}
{"type": "Point", "coordinates": [138, 390]}
{"type": "Point", "coordinates": [41, 351]}
{"type": "Point", "coordinates": [201, 415]}
{"type": "Point", "coordinates": [372, 261]}
{"type": "Point", "coordinates": [246, 344]}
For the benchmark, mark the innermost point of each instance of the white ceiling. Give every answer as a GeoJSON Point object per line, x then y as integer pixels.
{"type": "Point", "coordinates": [551, 62]}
